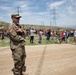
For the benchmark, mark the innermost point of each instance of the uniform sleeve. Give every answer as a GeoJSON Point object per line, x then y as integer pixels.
{"type": "Point", "coordinates": [13, 35]}
{"type": "Point", "coordinates": [16, 38]}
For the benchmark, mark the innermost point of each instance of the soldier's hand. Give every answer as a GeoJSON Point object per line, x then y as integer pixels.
{"type": "Point", "coordinates": [19, 30]}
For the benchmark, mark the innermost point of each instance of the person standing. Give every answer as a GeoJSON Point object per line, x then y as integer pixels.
{"type": "Point", "coordinates": [58, 36]}
{"type": "Point", "coordinates": [1, 32]}
{"type": "Point", "coordinates": [17, 45]}
{"type": "Point", "coordinates": [48, 35]}
{"type": "Point", "coordinates": [75, 37]}
{"type": "Point", "coordinates": [32, 35]}
{"type": "Point", "coordinates": [40, 36]}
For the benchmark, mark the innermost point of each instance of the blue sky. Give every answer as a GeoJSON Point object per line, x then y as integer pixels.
{"type": "Point", "coordinates": [40, 12]}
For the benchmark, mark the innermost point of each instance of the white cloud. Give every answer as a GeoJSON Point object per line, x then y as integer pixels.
{"type": "Point", "coordinates": [56, 4]}
{"type": "Point", "coordinates": [24, 8]}
{"type": "Point", "coordinates": [4, 8]}
{"type": "Point", "coordinates": [24, 14]}
{"type": "Point", "coordinates": [8, 10]}
{"type": "Point", "coordinates": [19, 3]}
{"type": "Point", "coordinates": [42, 13]}
{"type": "Point", "coordinates": [70, 10]}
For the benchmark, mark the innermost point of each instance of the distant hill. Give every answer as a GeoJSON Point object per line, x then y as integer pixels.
{"type": "Point", "coordinates": [5, 24]}
{"type": "Point", "coordinates": [47, 27]}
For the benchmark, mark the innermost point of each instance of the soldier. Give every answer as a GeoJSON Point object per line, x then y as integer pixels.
{"type": "Point", "coordinates": [58, 36]}
{"type": "Point", "coordinates": [17, 45]}
{"type": "Point", "coordinates": [1, 32]}
{"type": "Point", "coordinates": [75, 37]}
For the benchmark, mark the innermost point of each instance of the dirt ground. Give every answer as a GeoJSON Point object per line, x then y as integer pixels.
{"type": "Point", "coordinates": [54, 59]}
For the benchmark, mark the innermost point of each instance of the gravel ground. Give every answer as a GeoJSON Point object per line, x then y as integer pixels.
{"type": "Point", "coordinates": [54, 59]}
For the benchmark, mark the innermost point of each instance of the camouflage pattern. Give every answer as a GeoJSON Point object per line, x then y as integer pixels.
{"type": "Point", "coordinates": [1, 32]}
{"type": "Point", "coordinates": [17, 45]}
{"type": "Point", "coordinates": [16, 15]}
{"type": "Point", "coordinates": [59, 38]}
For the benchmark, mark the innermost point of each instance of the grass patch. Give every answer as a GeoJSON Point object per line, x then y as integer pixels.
{"type": "Point", "coordinates": [3, 43]}
{"type": "Point", "coordinates": [52, 40]}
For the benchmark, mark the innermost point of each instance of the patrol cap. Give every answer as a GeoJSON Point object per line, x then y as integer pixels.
{"type": "Point", "coordinates": [16, 15]}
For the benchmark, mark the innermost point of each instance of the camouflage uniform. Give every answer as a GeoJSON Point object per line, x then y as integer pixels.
{"type": "Point", "coordinates": [17, 45]}
{"type": "Point", "coordinates": [59, 36]}
{"type": "Point", "coordinates": [1, 33]}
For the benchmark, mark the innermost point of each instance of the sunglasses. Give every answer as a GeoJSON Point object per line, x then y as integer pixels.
{"type": "Point", "coordinates": [16, 18]}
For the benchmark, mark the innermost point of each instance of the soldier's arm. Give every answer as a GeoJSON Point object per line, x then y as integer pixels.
{"type": "Point", "coordinates": [14, 37]}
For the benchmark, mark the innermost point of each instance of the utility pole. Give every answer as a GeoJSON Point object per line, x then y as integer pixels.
{"type": "Point", "coordinates": [54, 16]}
{"type": "Point", "coordinates": [50, 18]}
{"type": "Point", "coordinates": [18, 9]}
{"type": "Point", "coordinates": [42, 23]}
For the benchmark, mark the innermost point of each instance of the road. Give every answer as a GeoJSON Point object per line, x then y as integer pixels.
{"type": "Point", "coordinates": [54, 59]}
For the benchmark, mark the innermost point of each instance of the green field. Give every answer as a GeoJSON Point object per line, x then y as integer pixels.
{"type": "Point", "coordinates": [6, 41]}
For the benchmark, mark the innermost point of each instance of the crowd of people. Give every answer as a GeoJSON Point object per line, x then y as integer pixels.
{"type": "Point", "coordinates": [3, 32]}
{"type": "Point", "coordinates": [61, 35]}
